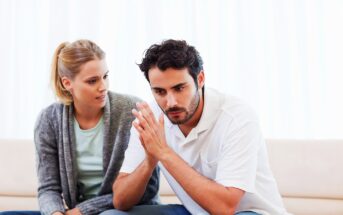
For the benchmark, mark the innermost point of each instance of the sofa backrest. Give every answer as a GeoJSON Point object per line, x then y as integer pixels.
{"type": "Point", "coordinates": [18, 182]}
{"type": "Point", "coordinates": [308, 172]}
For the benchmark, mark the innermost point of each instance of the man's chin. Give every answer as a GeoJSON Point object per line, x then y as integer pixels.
{"type": "Point", "coordinates": [177, 121]}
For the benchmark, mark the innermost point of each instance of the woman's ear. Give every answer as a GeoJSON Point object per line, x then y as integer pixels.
{"type": "Point", "coordinates": [66, 83]}
{"type": "Point", "coordinates": [201, 79]}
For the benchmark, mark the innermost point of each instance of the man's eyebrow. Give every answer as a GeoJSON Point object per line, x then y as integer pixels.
{"type": "Point", "coordinates": [157, 88]}
{"type": "Point", "coordinates": [179, 85]}
{"type": "Point", "coordinates": [173, 87]}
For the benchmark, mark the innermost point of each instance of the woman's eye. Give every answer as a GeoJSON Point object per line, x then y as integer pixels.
{"type": "Point", "coordinates": [93, 81]}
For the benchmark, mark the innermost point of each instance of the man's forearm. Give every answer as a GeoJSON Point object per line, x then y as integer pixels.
{"type": "Point", "coordinates": [129, 189]}
{"type": "Point", "coordinates": [213, 197]}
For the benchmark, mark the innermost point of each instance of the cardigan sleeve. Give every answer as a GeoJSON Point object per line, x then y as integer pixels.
{"type": "Point", "coordinates": [49, 186]}
{"type": "Point", "coordinates": [96, 205]}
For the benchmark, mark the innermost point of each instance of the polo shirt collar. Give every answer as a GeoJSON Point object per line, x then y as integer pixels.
{"type": "Point", "coordinates": [212, 106]}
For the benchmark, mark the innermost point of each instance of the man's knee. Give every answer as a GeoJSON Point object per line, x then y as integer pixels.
{"type": "Point", "coordinates": [114, 212]}
{"type": "Point", "coordinates": [20, 213]}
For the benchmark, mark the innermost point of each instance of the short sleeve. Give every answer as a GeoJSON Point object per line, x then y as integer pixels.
{"type": "Point", "coordinates": [237, 164]}
{"type": "Point", "coordinates": [134, 154]}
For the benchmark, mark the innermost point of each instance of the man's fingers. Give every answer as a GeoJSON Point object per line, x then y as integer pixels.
{"type": "Point", "coordinates": [142, 142]}
{"type": "Point", "coordinates": [145, 135]}
{"type": "Point", "coordinates": [147, 111]}
{"type": "Point", "coordinates": [161, 120]}
{"type": "Point", "coordinates": [147, 114]}
{"type": "Point", "coordinates": [137, 127]}
{"type": "Point", "coordinates": [156, 125]}
{"type": "Point", "coordinates": [141, 119]}
{"type": "Point", "coordinates": [141, 139]}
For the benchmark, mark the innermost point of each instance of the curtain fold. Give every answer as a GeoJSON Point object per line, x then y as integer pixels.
{"type": "Point", "coordinates": [282, 57]}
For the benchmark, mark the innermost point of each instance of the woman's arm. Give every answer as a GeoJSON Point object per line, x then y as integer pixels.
{"type": "Point", "coordinates": [96, 205]}
{"type": "Point", "coordinates": [49, 186]}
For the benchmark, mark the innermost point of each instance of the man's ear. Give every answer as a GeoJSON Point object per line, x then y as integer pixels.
{"type": "Point", "coordinates": [66, 83]}
{"type": "Point", "coordinates": [201, 79]}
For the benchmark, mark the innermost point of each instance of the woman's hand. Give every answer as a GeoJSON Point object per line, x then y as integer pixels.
{"type": "Point", "coordinates": [74, 211]}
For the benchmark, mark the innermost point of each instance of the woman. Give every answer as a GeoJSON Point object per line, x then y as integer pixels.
{"type": "Point", "coordinates": [80, 141]}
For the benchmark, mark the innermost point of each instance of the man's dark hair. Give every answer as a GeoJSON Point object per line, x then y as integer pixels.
{"type": "Point", "coordinates": [176, 54]}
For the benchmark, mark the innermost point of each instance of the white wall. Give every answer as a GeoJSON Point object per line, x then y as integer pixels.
{"type": "Point", "coordinates": [282, 57]}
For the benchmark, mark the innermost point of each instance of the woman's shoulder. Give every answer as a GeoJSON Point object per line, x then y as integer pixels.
{"type": "Point", "coordinates": [52, 111]}
{"type": "Point", "coordinates": [49, 117]}
{"type": "Point", "coordinates": [54, 107]}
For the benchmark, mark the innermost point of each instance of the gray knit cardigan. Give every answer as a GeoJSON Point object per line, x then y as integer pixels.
{"type": "Point", "coordinates": [56, 157]}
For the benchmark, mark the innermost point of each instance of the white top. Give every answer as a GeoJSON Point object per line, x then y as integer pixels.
{"type": "Point", "coordinates": [227, 147]}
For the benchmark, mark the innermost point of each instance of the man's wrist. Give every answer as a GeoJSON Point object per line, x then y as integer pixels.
{"type": "Point", "coordinates": [150, 162]}
{"type": "Point", "coordinates": [166, 155]}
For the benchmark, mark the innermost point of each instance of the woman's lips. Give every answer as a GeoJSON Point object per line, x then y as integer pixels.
{"type": "Point", "coordinates": [101, 98]}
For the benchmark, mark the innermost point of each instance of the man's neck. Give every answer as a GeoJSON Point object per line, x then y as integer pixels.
{"type": "Point", "coordinates": [187, 127]}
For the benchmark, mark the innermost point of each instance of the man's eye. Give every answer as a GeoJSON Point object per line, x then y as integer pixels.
{"type": "Point", "coordinates": [178, 89]}
{"type": "Point", "coordinates": [159, 92]}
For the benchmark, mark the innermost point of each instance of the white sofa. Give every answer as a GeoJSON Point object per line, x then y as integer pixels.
{"type": "Point", "coordinates": [309, 174]}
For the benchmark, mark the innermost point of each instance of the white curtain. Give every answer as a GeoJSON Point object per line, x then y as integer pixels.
{"type": "Point", "coordinates": [284, 58]}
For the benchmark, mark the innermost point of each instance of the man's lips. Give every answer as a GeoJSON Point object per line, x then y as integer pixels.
{"type": "Point", "coordinates": [173, 113]}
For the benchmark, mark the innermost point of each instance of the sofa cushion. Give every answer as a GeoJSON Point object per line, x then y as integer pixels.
{"type": "Point", "coordinates": [307, 168]}
{"type": "Point", "coordinates": [18, 190]}
{"type": "Point", "coordinates": [18, 165]}
{"type": "Point", "coordinates": [307, 172]}
{"type": "Point", "coordinates": [313, 206]}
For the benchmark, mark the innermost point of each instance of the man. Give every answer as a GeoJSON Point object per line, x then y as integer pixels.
{"type": "Point", "coordinates": [208, 145]}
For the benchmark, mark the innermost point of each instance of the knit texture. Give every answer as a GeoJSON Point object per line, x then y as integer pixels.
{"type": "Point", "coordinates": [56, 157]}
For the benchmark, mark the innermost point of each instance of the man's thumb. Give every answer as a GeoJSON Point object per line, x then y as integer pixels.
{"type": "Point", "coordinates": [161, 120]}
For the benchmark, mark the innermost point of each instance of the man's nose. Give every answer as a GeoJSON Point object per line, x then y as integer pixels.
{"type": "Point", "coordinates": [171, 100]}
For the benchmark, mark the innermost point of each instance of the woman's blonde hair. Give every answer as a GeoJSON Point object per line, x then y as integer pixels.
{"type": "Point", "coordinates": [67, 62]}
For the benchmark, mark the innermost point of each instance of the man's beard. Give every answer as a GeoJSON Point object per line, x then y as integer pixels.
{"type": "Point", "coordinates": [193, 106]}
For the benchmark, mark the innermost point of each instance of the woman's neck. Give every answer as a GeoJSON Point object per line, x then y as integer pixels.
{"type": "Point", "coordinates": [87, 117]}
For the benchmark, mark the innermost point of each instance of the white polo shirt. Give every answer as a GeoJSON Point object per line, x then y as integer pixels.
{"type": "Point", "coordinates": [227, 147]}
